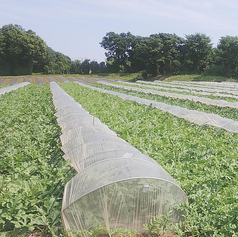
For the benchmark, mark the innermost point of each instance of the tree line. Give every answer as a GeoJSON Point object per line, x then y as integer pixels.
{"type": "Point", "coordinates": [170, 54]}
{"type": "Point", "coordinates": [23, 52]}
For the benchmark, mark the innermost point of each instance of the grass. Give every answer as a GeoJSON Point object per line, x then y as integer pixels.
{"type": "Point", "coordinates": [196, 77]}
{"type": "Point", "coordinates": [119, 76]}
{"type": "Point", "coordinates": [137, 76]}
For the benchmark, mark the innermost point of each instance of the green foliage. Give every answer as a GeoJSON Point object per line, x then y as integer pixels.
{"type": "Point", "coordinates": [19, 50]}
{"type": "Point", "coordinates": [119, 50]}
{"type": "Point", "coordinates": [197, 77]}
{"type": "Point", "coordinates": [161, 54]}
{"type": "Point", "coordinates": [204, 165]}
{"type": "Point", "coordinates": [30, 190]}
{"type": "Point", "coordinates": [227, 59]}
{"type": "Point", "coordinates": [158, 54]}
{"type": "Point", "coordinates": [100, 230]}
{"type": "Point", "coordinates": [225, 112]}
{"type": "Point", "coordinates": [85, 66]}
{"type": "Point", "coordinates": [75, 67]}
{"type": "Point", "coordinates": [197, 53]}
{"type": "Point", "coordinates": [155, 54]}
{"type": "Point", "coordinates": [160, 224]}
{"type": "Point", "coordinates": [56, 63]}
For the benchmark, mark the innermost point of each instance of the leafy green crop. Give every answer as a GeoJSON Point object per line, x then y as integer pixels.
{"type": "Point", "coordinates": [4, 85]}
{"type": "Point", "coordinates": [30, 185]}
{"type": "Point", "coordinates": [203, 162]}
{"type": "Point", "coordinates": [225, 112]}
{"type": "Point", "coordinates": [171, 90]}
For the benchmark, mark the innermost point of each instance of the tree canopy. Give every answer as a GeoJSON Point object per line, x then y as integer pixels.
{"type": "Point", "coordinates": [227, 56]}
{"type": "Point", "coordinates": [161, 53]}
{"type": "Point", "coordinates": [24, 52]}
{"type": "Point", "coordinates": [19, 50]}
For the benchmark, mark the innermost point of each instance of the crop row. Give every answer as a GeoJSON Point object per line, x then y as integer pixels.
{"type": "Point", "coordinates": [225, 112]}
{"type": "Point", "coordinates": [31, 165]}
{"type": "Point", "coordinates": [190, 92]}
{"type": "Point", "coordinates": [208, 101]}
{"type": "Point", "coordinates": [4, 85]}
{"type": "Point", "coordinates": [223, 88]}
{"type": "Point", "coordinates": [204, 164]}
{"type": "Point", "coordinates": [205, 84]}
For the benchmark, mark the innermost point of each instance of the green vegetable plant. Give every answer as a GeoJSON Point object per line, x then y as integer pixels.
{"type": "Point", "coordinates": [30, 186]}
{"type": "Point", "coordinates": [225, 112]}
{"type": "Point", "coordinates": [122, 232]}
{"type": "Point", "coordinates": [100, 230]}
{"type": "Point", "coordinates": [171, 90]}
{"type": "Point", "coordinates": [160, 224]}
{"type": "Point", "coordinates": [204, 164]}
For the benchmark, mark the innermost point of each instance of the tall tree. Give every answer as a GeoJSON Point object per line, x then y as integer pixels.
{"type": "Point", "coordinates": [169, 55]}
{"type": "Point", "coordinates": [75, 67]}
{"type": "Point", "coordinates": [94, 66]}
{"type": "Point", "coordinates": [119, 50]}
{"type": "Point", "coordinates": [157, 54]}
{"type": "Point", "coordinates": [227, 56]}
{"type": "Point", "coordinates": [85, 66]}
{"type": "Point", "coordinates": [20, 49]}
{"type": "Point", "coordinates": [197, 53]}
{"type": "Point", "coordinates": [56, 62]}
{"type": "Point", "coordinates": [145, 54]}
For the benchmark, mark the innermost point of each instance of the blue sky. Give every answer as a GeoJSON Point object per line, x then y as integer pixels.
{"type": "Point", "coordinates": [75, 27]}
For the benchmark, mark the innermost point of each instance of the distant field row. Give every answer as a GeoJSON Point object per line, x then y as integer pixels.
{"type": "Point", "coordinates": [41, 79]}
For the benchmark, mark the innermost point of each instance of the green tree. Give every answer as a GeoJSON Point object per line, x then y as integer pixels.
{"type": "Point", "coordinates": [144, 55]}
{"type": "Point", "coordinates": [19, 50]}
{"type": "Point", "coordinates": [94, 66]}
{"type": "Point", "coordinates": [75, 67]}
{"type": "Point", "coordinates": [169, 54]}
{"type": "Point", "coordinates": [227, 56]}
{"type": "Point", "coordinates": [197, 53]}
{"type": "Point", "coordinates": [102, 67]}
{"type": "Point", "coordinates": [157, 54]}
{"type": "Point", "coordinates": [119, 50]}
{"type": "Point", "coordinates": [56, 62]}
{"type": "Point", "coordinates": [85, 66]}
{"type": "Point", "coordinates": [147, 51]}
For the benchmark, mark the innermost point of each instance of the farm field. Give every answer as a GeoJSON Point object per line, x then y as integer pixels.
{"type": "Point", "coordinates": [227, 112]}
{"type": "Point", "coordinates": [6, 81]}
{"type": "Point", "coordinates": [201, 159]}
{"type": "Point", "coordinates": [203, 163]}
{"type": "Point", "coordinates": [184, 90]}
{"type": "Point", "coordinates": [31, 173]}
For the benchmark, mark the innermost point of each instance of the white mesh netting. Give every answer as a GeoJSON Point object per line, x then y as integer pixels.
{"type": "Point", "coordinates": [208, 101]}
{"type": "Point", "coordinates": [200, 118]}
{"type": "Point", "coordinates": [13, 87]}
{"type": "Point", "coordinates": [213, 87]}
{"type": "Point", "coordinates": [116, 185]}
{"type": "Point", "coordinates": [185, 89]}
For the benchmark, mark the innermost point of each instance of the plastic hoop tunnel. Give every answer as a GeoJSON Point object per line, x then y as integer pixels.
{"type": "Point", "coordinates": [116, 185]}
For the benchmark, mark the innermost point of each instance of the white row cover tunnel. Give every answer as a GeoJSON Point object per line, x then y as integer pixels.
{"type": "Point", "coordinates": [116, 186]}
{"type": "Point", "coordinates": [7, 89]}
{"type": "Point", "coordinates": [184, 89]}
{"type": "Point", "coordinates": [204, 100]}
{"type": "Point", "coordinates": [193, 116]}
